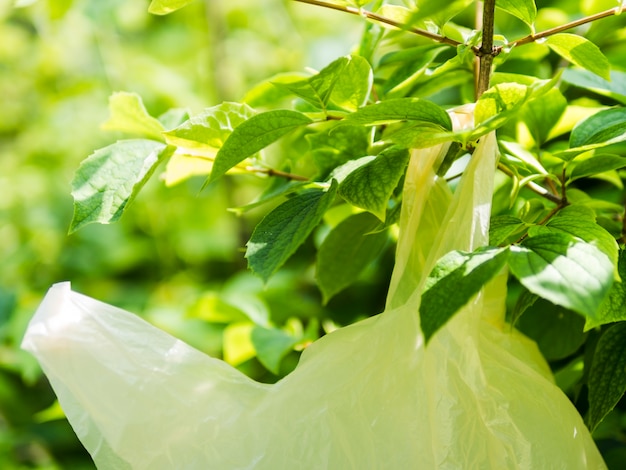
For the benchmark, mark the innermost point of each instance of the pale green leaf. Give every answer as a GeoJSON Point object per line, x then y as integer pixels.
{"type": "Point", "coordinates": [254, 135]}
{"type": "Point", "coordinates": [595, 165]}
{"type": "Point", "coordinates": [346, 251]}
{"type": "Point", "coordinates": [439, 12]}
{"type": "Point", "coordinates": [455, 280]}
{"type": "Point", "coordinates": [210, 128]}
{"type": "Point", "coordinates": [271, 346]}
{"type": "Point", "coordinates": [353, 85]}
{"type": "Point", "coordinates": [285, 228]}
{"type": "Point", "coordinates": [615, 89]}
{"type": "Point", "coordinates": [613, 309]}
{"type": "Point", "coordinates": [370, 186]}
{"type": "Point", "coordinates": [108, 180]}
{"type": "Point", "coordinates": [541, 115]}
{"type": "Point", "coordinates": [564, 270]}
{"type": "Point", "coordinates": [163, 7]}
{"type": "Point", "coordinates": [128, 114]}
{"type": "Point", "coordinates": [580, 51]}
{"type": "Point", "coordinates": [601, 129]}
{"type": "Point", "coordinates": [607, 379]}
{"type": "Point", "coordinates": [525, 10]}
{"type": "Point", "coordinates": [400, 110]}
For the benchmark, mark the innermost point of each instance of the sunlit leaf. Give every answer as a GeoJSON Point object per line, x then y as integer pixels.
{"type": "Point", "coordinates": [503, 227]}
{"type": "Point", "coordinates": [128, 114]}
{"type": "Point", "coordinates": [613, 309]}
{"type": "Point", "coordinates": [271, 346]}
{"type": "Point", "coordinates": [616, 88]}
{"type": "Point", "coordinates": [163, 7]}
{"type": "Point", "coordinates": [285, 228]}
{"type": "Point", "coordinates": [525, 10]}
{"type": "Point", "coordinates": [353, 85]}
{"type": "Point", "coordinates": [603, 128]}
{"type": "Point", "coordinates": [607, 380]}
{"type": "Point", "coordinates": [456, 278]}
{"type": "Point", "coordinates": [254, 135]}
{"type": "Point", "coordinates": [346, 251]}
{"type": "Point", "coordinates": [595, 165]}
{"type": "Point", "coordinates": [108, 180]}
{"type": "Point", "coordinates": [580, 51]}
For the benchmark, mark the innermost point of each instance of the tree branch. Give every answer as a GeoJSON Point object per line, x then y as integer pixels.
{"type": "Point", "coordinates": [486, 52]}
{"type": "Point", "coordinates": [382, 19]}
{"type": "Point", "coordinates": [549, 32]}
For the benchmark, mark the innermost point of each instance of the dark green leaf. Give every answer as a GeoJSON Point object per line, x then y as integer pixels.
{"type": "Point", "coordinates": [346, 251]}
{"type": "Point", "coordinates": [525, 300]}
{"type": "Point", "coordinates": [557, 331]}
{"type": "Point", "coordinates": [613, 309]}
{"type": "Point", "coordinates": [580, 51]}
{"type": "Point", "coordinates": [337, 145]}
{"type": "Point", "coordinates": [563, 270]}
{"type": "Point", "coordinates": [607, 378]}
{"type": "Point", "coordinates": [525, 10]}
{"type": "Point", "coordinates": [503, 227]}
{"type": "Point", "coordinates": [398, 110]}
{"type": "Point", "coordinates": [211, 128]}
{"type": "Point", "coordinates": [271, 346]}
{"type": "Point", "coordinates": [128, 114]}
{"type": "Point", "coordinates": [603, 128]}
{"type": "Point", "coordinates": [595, 165]}
{"type": "Point", "coordinates": [285, 228]}
{"type": "Point", "coordinates": [353, 85]}
{"type": "Point", "coordinates": [108, 180]}
{"type": "Point", "coordinates": [616, 88]}
{"type": "Point", "coordinates": [541, 115]}
{"type": "Point", "coordinates": [254, 135]}
{"type": "Point", "coordinates": [370, 186]}
{"type": "Point", "coordinates": [454, 281]}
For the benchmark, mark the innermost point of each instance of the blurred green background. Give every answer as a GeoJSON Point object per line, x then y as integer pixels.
{"type": "Point", "coordinates": [177, 249]}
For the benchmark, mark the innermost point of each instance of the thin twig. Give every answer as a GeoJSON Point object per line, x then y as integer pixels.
{"type": "Point", "coordinates": [278, 173]}
{"type": "Point", "coordinates": [534, 187]}
{"type": "Point", "coordinates": [383, 19]}
{"type": "Point", "coordinates": [549, 32]}
{"type": "Point", "coordinates": [486, 51]}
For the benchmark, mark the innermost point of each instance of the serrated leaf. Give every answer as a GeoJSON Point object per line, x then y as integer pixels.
{"type": "Point", "coordinates": [613, 309]}
{"type": "Point", "coordinates": [128, 114]}
{"type": "Point", "coordinates": [285, 228]}
{"type": "Point", "coordinates": [370, 186]}
{"type": "Point", "coordinates": [109, 179]}
{"type": "Point", "coordinates": [454, 281]}
{"type": "Point", "coordinates": [353, 85]}
{"type": "Point", "coordinates": [211, 128]}
{"type": "Point", "coordinates": [566, 271]}
{"type": "Point", "coordinates": [525, 10]}
{"type": "Point", "coordinates": [337, 145]}
{"type": "Point", "coordinates": [271, 346]}
{"type": "Point", "coordinates": [254, 135]}
{"type": "Point", "coordinates": [317, 89]}
{"type": "Point", "coordinates": [346, 251]}
{"type": "Point", "coordinates": [503, 227]}
{"type": "Point", "coordinates": [603, 128]}
{"type": "Point", "coordinates": [163, 7]}
{"type": "Point", "coordinates": [580, 51]}
{"type": "Point", "coordinates": [557, 331]}
{"type": "Point", "coordinates": [607, 379]}
{"type": "Point", "coordinates": [400, 110]}
{"type": "Point", "coordinates": [594, 165]}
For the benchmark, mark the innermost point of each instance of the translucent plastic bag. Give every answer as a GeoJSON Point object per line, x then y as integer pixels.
{"type": "Point", "coordinates": [368, 396]}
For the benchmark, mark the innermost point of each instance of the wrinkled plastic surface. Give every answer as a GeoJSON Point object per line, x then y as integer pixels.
{"type": "Point", "coordinates": [368, 396]}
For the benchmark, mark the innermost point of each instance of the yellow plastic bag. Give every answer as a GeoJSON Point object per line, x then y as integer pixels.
{"type": "Point", "coordinates": [368, 396]}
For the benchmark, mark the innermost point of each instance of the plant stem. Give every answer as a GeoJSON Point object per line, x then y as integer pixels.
{"type": "Point", "coordinates": [382, 19]}
{"type": "Point", "coordinates": [534, 187]}
{"type": "Point", "coordinates": [486, 52]}
{"type": "Point", "coordinates": [278, 173]}
{"type": "Point", "coordinates": [549, 32]}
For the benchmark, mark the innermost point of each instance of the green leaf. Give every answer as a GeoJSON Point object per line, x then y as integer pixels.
{"type": "Point", "coordinates": [603, 128]}
{"type": "Point", "coordinates": [108, 180]}
{"type": "Point", "coordinates": [399, 110]}
{"type": "Point", "coordinates": [163, 7]}
{"type": "Point", "coordinates": [615, 89]}
{"type": "Point", "coordinates": [346, 251]}
{"type": "Point", "coordinates": [500, 101]}
{"type": "Point", "coordinates": [607, 380]}
{"type": "Point", "coordinates": [337, 145]}
{"type": "Point", "coordinates": [211, 128]}
{"type": "Point", "coordinates": [439, 12]}
{"type": "Point", "coordinates": [503, 227]}
{"type": "Point", "coordinates": [285, 228]}
{"type": "Point", "coordinates": [525, 10]}
{"type": "Point", "coordinates": [271, 346]}
{"type": "Point", "coordinates": [454, 281]}
{"type": "Point", "coordinates": [541, 115]}
{"type": "Point", "coordinates": [370, 186]}
{"type": "Point", "coordinates": [566, 271]}
{"type": "Point", "coordinates": [254, 135]}
{"type": "Point", "coordinates": [595, 165]}
{"type": "Point", "coordinates": [557, 331]}
{"type": "Point", "coordinates": [128, 114]}
{"type": "Point", "coordinates": [318, 88]}
{"type": "Point", "coordinates": [353, 85]}
{"type": "Point", "coordinates": [580, 51]}
{"type": "Point", "coordinates": [613, 309]}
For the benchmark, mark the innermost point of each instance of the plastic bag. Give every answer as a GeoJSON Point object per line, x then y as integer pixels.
{"type": "Point", "coordinates": [368, 396]}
